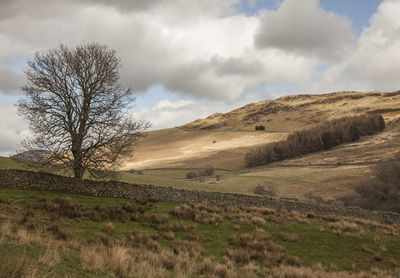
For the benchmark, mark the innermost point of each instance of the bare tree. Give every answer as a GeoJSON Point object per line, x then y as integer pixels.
{"type": "Point", "coordinates": [77, 109]}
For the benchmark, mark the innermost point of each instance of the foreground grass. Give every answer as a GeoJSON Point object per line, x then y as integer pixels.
{"type": "Point", "coordinates": [65, 235]}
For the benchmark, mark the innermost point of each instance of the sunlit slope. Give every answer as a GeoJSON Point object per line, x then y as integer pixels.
{"type": "Point", "coordinates": [298, 112]}
{"type": "Point", "coordinates": [221, 140]}
{"type": "Point", "coordinates": [176, 147]}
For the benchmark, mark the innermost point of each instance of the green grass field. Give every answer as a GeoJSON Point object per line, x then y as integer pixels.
{"type": "Point", "coordinates": [66, 235]}
{"type": "Point", "coordinates": [325, 181]}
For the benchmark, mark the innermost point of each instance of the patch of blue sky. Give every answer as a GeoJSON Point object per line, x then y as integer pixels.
{"type": "Point", "coordinates": [322, 67]}
{"type": "Point", "coordinates": [17, 63]}
{"type": "Point", "coordinates": [358, 11]}
{"type": "Point", "coordinates": [253, 7]}
{"type": "Point", "coordinates": [278, 87]}
{"type": "Point", "coordinates": [273, 90]}
{"type": "Point", "coordinates": [7, 98]}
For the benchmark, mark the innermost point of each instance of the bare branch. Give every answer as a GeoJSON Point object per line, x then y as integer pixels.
{"type": "Point", "coordinates": [77, 109]}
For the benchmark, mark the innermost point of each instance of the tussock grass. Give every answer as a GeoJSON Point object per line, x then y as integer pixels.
{"type": "Point", "coordinates": [50, 257]}
{"type": "Point", "coordinates": [199, 214]}
{"type": "Point", "coordinates": [288, 237]}
{"type": "Point", "coordinates": [23, 237]}
{"type": "Point", "coordinates": [144, 240]}
{"type": "Point", "coordinates": [173, 240]}
{"type": "Point", "coordinates": [5, 228]}
{"type": "Point", "coordinates": [108, 228]}
{"type": "Point", "coordinates": [345, 226]}
{"type": "Point", "coordinates": [193, 248]}
{"type": "Point", "coordinates": [14, 267]}
{"type": "Point", "coordinates": [62, 207]}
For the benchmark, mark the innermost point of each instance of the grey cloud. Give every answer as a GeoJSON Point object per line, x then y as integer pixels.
{"type": "Point", "coordinates": [124, 6]}
{"type": "Point", "coordinates": [193, 78]}
{"type": "Point", "coordinates": [10, 81]}
{"type": "Point", "coordinates": [39, 9]}
{"type": "Point", "coordinates": [12, 129]}
{"type": "Point", "coordinates": [305, 28]}
{"type": "Point", "coordinates": [175, 10]}
{"type": "Point", "coordinates": [235, 66]}
{"type": "Point", "coordinates": [49, 8]}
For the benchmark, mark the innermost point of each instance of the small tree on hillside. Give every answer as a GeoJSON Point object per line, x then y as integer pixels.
{"type": "Point", "coordinates": [78, 110]}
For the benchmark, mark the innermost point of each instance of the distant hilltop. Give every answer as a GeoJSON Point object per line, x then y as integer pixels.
{"type": "Point", "coordinates": [297, 112]}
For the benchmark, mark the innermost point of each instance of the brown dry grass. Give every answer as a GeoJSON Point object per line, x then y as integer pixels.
{"type": "Point", "coordinates": [144, 240]}
{"type": "Point", "coordinates": [345, 226]}
{"type": "Point", "coordinates": [51, 256]}
{"type": "Point", "coordinates": [193, 248]}
{"type": "Point", "coordinates": [169, 235]}
{"type": "Point", "coordinates": [257, 245]}
{"type": "Point", "coordinates": [285, 271]}
{"type": "Point", "coordinates": [288, 237]}
{"type": "Point", "coordinates": [251, 252]}
{"type": "Point", "coordinates": [5, 228]}
{"type": "Point", "coordinates": [23, 237]}
{"type": "Point", "coordinates": [198, 213]}
{"type": "Point", "coordinates": [142, 256]}
{"type": "Point", "coordinates": [14, 267]}
{"type": "Point", "coordinates": [108, 228]}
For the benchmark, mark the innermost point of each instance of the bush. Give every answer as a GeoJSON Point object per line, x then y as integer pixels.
{"type": "Point", "coordinates": [263, 190]}
{"type": "Point", "coordinates": [260, 127]}
{"type": "Point", "coordinates": [383, 191]}
{"type": "Point", "coordinates": [322, 137]}
{"type": "Point", "coordinates": [204, 172]}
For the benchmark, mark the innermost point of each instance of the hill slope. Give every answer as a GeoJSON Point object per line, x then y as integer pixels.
{"type": "Point", "coordinates": [221, 140]}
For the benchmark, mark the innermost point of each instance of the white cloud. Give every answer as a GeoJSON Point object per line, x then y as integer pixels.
{"type": "Point", "coordinates": [375, 63]}
{"type": "Point", "coordinates": [12, 129]}
{"type": "Point", "coordinates": [166, 113]}
{"type": "Point", "coordinates": [303, 27]}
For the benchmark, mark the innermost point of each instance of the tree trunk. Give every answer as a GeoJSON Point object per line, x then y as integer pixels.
{"type": "Point", "coordinates": [78, 168]}
{"type": "Point", "coordinates": [78, 171]}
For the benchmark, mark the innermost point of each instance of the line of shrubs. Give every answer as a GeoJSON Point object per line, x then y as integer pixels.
{"type": "Point", "coordinates": [321, 137]}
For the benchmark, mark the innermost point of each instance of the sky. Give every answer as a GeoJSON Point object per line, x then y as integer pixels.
{"type": "Point", "coordinates": [187, 59]}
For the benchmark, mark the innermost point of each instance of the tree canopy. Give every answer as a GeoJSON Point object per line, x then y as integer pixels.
{"type": "Point", "coordinates": [78, 110]}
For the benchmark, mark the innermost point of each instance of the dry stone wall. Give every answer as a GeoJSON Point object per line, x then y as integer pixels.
{"type": "Point", "coordinates": [44, 181]}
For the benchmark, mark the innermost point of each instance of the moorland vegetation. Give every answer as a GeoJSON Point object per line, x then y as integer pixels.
{"type": "Point", "coordinates": [67, 235]}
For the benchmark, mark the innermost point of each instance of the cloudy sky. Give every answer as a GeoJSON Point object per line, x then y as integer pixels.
{"type": "Point", "coordinates": [187, 59]}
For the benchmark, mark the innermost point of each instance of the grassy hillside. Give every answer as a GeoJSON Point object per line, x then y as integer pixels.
{"type": "Point", "coordinates": [327, 174]}
{"type": "Point", "coordinates": [222, 140]}
{"type": "Point", "coordinates": [297, 112]}
{"type": "Point", "coordinates": [45, 234]}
